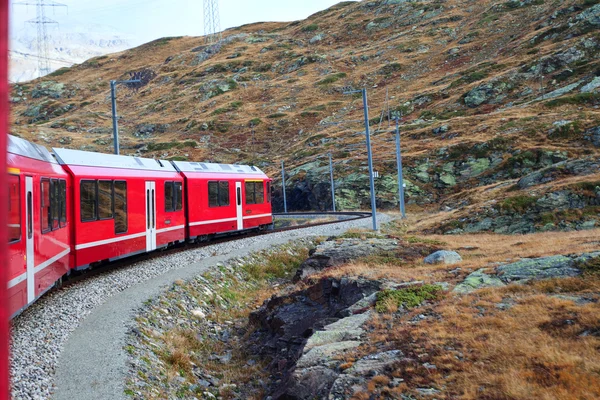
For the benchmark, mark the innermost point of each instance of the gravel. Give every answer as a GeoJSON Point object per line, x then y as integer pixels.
{"type": "Point", "coordinates": [40, 333]}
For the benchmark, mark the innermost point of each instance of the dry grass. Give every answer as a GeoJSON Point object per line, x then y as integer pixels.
{"type": "Point", "coordinates": [518, 342]}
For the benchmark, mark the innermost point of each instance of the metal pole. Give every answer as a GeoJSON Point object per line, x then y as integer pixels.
{"type": "Point", "coordinates": [113, 97]}
{"type": "Point", "coordinates": [332, 182]}
{"type": "Point", "coordinates": [283, 183]}
{"type": "Point", "coordinates": [400, 175]}
{"type": "Point", "coordinates": [370, 156]}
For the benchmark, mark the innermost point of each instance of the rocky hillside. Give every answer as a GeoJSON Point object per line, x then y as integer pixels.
{"type": "Point", "coordinates": [500, 103]}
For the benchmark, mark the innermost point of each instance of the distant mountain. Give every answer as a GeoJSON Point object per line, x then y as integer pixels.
{"type": "Point", "coordinates": [67, 46]}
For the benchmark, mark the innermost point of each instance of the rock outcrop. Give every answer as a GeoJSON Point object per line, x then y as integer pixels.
{"type": "Point", "coordinates": [339, 251]}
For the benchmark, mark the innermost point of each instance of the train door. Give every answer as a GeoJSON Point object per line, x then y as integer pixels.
{"type": "Point", "coordinates": [29, 253]}
{"type": "Point", "coordinates": [150, 216]}
{"type": "Point", "coordinates": [238, 205]}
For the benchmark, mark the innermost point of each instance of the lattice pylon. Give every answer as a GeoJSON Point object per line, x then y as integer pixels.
{"type": "Point", "coordinates": [212, 21]}
{"type": "Point", "coordinates": [41, 21]}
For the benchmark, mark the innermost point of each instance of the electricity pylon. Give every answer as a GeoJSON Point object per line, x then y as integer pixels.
{"type": "Point", "coordinates": [212, 21]}
{"type": "Point", "coordinates": [41, 21]}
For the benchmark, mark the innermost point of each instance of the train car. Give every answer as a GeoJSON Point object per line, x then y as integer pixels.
{"type": "Point", "coordinates": [122, 205]}
{"type": "Point", "coordinates": [225, 198]}
{"type": "Point", "coordinates": [38, 222]}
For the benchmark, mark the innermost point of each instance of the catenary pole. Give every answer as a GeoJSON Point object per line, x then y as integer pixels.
{"type": "Point", "coordinates": [332, 182]}
{"type": "Point", "coordinates": [113, 98]}
{"type": "Point", "coordinates": [370, 157]}
{"type": "Point", "coordinates": [283, 188]}
{"type": "Point", "coordinates": [400, 173]}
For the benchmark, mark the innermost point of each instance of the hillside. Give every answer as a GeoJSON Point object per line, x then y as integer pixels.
{"type": "Point", "coordinates": [500, 103]}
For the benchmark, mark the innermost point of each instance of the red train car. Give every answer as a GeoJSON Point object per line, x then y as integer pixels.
{"type": "Point", "coordinates": [38, 222]}
{"type": "Point", "coordinates": [225, 198]}
{"type": "Point", "coordinates": [122, 205]}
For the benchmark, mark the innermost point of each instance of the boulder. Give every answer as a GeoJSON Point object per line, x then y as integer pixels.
{"type": "Point", "coordinates": [593, 135]}
{"type": "Point", "coordinates": [443, 257]}
{"type": "Point", "coordinates": [592, 86]}
{"type": "Point", "coordinates": [538, 268]}
{"type": "Point", "coordinates": [591, 15]}
{"type": "Point", "coordinates": [478, 280]}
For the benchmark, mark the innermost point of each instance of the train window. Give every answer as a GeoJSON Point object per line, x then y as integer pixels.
{"type": "Point", "coordinates": [46, 212]}
{"type": "Point", "coordinates": [105, 200]}
{"type": "Point", "coordinates": [259, 190]}
{"type": "Point", "coordinates": [54, 203]}
{"type": "Point", "coordinates": [218, 194]}
{"type": "Point", "coordinates": [14, 209]}
{"type": "Point", "coordinates": [223, 193]}
{"type": "Point", "coordinates": [213, 194]}
{"type": "Point", "coordinates": [268, 192]}
{"type": "Point", "coordinates": [120, 207]}
{"type": "Point", "coordinates": [250, 193]}
{"type": "Point", "coordinates": [178, 196]}
{"type": "Point", "coordinates": [169, 197]}
{"type": "Point", "coordinates": [255, 193]}
{"type": "Point", "coordinates": [89, 208]}
{"type": "Point", "coordinates": [62, 190]}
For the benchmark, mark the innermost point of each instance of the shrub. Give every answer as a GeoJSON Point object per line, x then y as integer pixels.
{"type": "Point", "coordinates": [518, 203]}
{"type": "Point", "coordinates": [409, 298]}
{"type": "Point", "coordinates": [332, 79]}
{"type": "Point", "coordinates": [310, 28]}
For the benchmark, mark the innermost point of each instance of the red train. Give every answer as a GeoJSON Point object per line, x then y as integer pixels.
{"type": "Point", "coordinates": [71, 210]}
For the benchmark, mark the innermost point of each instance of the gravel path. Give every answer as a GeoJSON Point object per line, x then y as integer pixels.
{"type": "Point", "coordinates": [57, 350]}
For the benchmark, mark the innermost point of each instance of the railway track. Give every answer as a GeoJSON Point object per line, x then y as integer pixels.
{"type": "Point", "coordinates": [108, 267]}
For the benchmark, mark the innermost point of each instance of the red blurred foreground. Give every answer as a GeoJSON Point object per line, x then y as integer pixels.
{"type": "Point", "coordinates": [4, 392]}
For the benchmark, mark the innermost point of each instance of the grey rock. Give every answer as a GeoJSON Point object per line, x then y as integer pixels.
{"type": "Point", "coordinates": [592, 86]}
{"type": "Point", "coordinates": [375, 364]}
{"type": "Point", "coordinates": [441, 129]}
{"type": "Point", "coordinates": [560, 92]}
{"type": "Point", "coordinates": [443, 257]}
{"type": "Point", "coordinates": [593, 135]}
{"type": "Point", "coordinates": [316, 38]}
{"type": "Point", "coordinates": [478, 280]}
{"type": "Point", "coordinates": [323, 355]}
{"type": "Point", "coordinates": [591, 15]}
{"type": "Point", "coordinates": [336, 252]}
{"type": "Point", "coordinates": [542, 268]}
{"type": "Point", "coordinates": [313, 382]}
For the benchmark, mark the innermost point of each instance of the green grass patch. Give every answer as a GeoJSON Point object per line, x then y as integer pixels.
{"type": "Point", "coordinates": [277, 115]}
{"type": "Point", "coordinates": [332, 79]}
{"type": "Point", "coordinates": [518, 204]}
{"type": "Point", "coordinates": [578, 99]}
{"type": "Point", "coordinates": [390, 68]}
{"type": "Point", "coordinates": [416, 239]}
{"type": "Point", "coordinates": [408, 298]}
{"type": "Point", "coordinates": [310, 28]}
{"type": "Point", "coordinates": [60, 72]}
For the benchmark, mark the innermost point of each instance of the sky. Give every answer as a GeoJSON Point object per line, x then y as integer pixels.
{"type": "Point", "coordinates": [145, 20]}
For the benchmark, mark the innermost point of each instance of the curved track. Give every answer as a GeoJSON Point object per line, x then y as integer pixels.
{"type": "Point", "coordinates": [222, 238]}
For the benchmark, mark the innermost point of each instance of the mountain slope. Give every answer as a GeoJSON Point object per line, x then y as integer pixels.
{"type": "Point", "coordinates": [500, 103]}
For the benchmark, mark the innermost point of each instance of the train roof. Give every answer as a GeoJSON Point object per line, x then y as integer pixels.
{"type": "Point", "coordinates": [90, 159]}
{"type": "Point", "coordinates": [25, 148]}
{"type": "Point", "coordinates": [200, 167]}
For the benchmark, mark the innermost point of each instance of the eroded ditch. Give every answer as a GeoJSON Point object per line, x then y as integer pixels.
{"type": "Point", "coordinates": [245, 330]}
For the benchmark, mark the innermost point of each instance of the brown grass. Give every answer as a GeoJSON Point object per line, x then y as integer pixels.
{"type": "Point", "coordinates": [542, 347]}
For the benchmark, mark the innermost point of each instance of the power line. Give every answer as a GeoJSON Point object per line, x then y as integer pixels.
{"type": "Point", "coordinates": [66, 62]}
